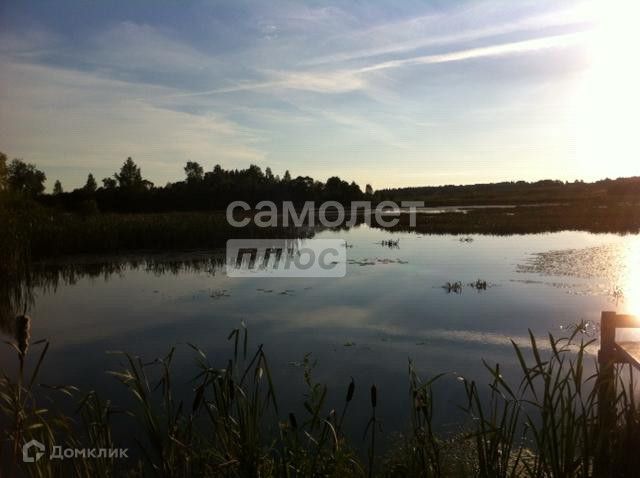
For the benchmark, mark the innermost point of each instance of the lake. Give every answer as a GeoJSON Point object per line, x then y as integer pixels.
{"type": "Point", "coordinates": [390, 307]}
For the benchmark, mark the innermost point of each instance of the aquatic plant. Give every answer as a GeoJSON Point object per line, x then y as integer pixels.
{"type": "Point", "coordinates": [548, 423]}
{"type": "Point", "coordinates": [390, 243]}
{"type": "Point", "coordinates": [453, 287]}
{"type": "Point", "coordinates": [479, 284]}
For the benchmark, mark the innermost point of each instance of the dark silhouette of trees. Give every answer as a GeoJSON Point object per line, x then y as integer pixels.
{"type": "Point", "coordinates": [109, 183]}
{"type": "Point", "coordinates": [57, 188]}
{"type": "Point", "coordinates": [129, 191]}
{"type": "Point", "coordinates": [91, 186]}
{"type": "Point", "coordinates": [268, 174]}
{"type": "Point", "coordinates": [194, 172]}
{"type": "Point", "coordinates": [130, 177]}
{"type": "Point", "coordinates": [25, 178]}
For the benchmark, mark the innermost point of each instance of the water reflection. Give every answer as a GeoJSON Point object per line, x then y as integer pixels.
{"type": "Point", "coordinates": [612, 269]}
{"type": "Point", "coordinates": [631, 287]}
{"type": "Point", "coordinates": [389, 307]}
{"type": "Point", "coordinates": [18, 295]}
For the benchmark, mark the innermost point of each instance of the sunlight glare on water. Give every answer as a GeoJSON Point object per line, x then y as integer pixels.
{"type": "Point", "coordinates": [631, 287]}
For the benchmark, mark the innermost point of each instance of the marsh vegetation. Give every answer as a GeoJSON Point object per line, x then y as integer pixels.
{"type": "Point", "coordinates": [547, 423]}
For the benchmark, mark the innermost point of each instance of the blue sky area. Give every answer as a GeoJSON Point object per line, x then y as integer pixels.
{"type": "Point", "coordinates": [396, 93]}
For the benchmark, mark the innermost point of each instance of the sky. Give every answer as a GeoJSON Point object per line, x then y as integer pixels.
{"type": "Point", "coordinates": [393, 93]}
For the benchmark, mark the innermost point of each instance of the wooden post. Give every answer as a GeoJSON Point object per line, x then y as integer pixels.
{"type": "Point", "coordinates": [606, 389]}
{"type": "Point", "coordinates": [607, 337]}
{"type": "Point", "coordinates": [610, 354]}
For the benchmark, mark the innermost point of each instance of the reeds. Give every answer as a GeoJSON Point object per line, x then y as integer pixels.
{"type": "Point", "coordinates": [548, 423]}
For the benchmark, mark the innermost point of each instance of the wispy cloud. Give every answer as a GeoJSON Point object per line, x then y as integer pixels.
{"type": "Point", "coordinates": [294, 85]}
{"type": "Point", "coordinates": [420, 30]}
{"type": "Point", "coordinates": [487, 51]}
{"type": "Point", "coordinates": [345, 80]}
{"type": "Point", "coordinates": [61, 118]}
{"type": "Point", "coordinates": [134, 46]}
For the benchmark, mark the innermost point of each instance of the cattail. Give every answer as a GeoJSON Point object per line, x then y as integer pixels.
{"type": "Point", "coordinates": [23, 333]}
{"type": "Point", "coordinates": [374, 396]}
{"type": "Point", "coordinates": [232, 389]}
{"type": "Point", "coordinates": [350, 390]}
{"type": "Point", "coordinates": [293, 421]}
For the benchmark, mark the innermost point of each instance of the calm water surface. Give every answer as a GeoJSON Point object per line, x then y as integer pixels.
{"type": "Point", "coordinates": [366, 325]}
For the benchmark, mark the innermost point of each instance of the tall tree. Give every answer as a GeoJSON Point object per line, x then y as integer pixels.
{"type": "Point", "coordinates": [368, 190]}
{"type": "Point", "coordinates": [130, 176]}
{"type": "Point", "coordinates": [57, 187]}
{"type": "Point", "coordinates": [194, 172]}
{"type": "Point", "coordinates": [91, 184]}
{"type": "Point", "coordinates": [268, 174]}
{"type": "Point", "coordinates": [287, 176]}
{"type": "Point", "coordinates": [25, 178]}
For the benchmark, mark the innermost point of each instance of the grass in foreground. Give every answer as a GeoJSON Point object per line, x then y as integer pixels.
{"type": "Point", "coordinates": [546, 425]}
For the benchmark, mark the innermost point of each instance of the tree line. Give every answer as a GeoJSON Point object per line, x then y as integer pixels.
{"type": "Point", "coordinates": [128, 191]}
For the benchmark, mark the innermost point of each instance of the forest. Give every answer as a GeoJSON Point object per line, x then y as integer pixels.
{"type": "Point", "coordinates": [127, 190]}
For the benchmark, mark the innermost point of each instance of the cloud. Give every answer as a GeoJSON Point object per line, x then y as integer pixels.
{"type": "Point", "coordinates": [345, 80]}
{"type": "Point", "coordinates": [304, 87]}
{"type": "Point", "coordinates": [482, 52]}
{"type": "Point", "coordinates": [30, 43]}
{"type": "Point", "coordinates": [63, 118]}
{"type": "Point", "coordinates": [435, 30]}
{"type": "Point", "coordinates": [132, 46]}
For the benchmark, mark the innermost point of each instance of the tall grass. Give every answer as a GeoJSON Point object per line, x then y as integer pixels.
{"type": "Point", "coordinates": [546, 424]}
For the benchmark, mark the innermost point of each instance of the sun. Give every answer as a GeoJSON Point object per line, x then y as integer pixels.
{"type": "Point", "coordinates": [608, 132]}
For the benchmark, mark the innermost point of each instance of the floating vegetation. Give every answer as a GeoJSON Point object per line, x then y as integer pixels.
{"type": "Point", "coordinates": [479, 285]}
{"type": "Point", "coordinates": [390, 243]}
{"type": "Point", "coordinates": [467, 239]}
{"type": "Point", "coordinates": [457, 286]}
{"type": "Point", "coordinates": [376, 261]}
{"type": "Point", "coordinates": [266, 291]}
{"type": "Point", "coordinates": [453, 287]}
{"type": "Point", "coordinates": [610, 264]}
{"type": "Point", "coordinates": [349, 344]}
{"type": "Point", "coordinates": [219, 293]}
{"type": "Point", "coordinates": [347, 245]}
{"type": "Point", "coordinates": [606, 262]}
{"type": "Point", "coordinates": [361, 262]}
{"type": "Point", "coordinates": [391, 261]}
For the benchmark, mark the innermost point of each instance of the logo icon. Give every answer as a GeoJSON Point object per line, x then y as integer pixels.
{"type": "Point", "coordinates": [26, 451]}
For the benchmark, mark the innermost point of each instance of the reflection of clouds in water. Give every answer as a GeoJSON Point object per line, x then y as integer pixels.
{"type": "Point", "coordinates": [475, 337]}
{"type": "Point", "coordinates": [335, 315]}
{"type": "Point", "coordinates": [386, 312]}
